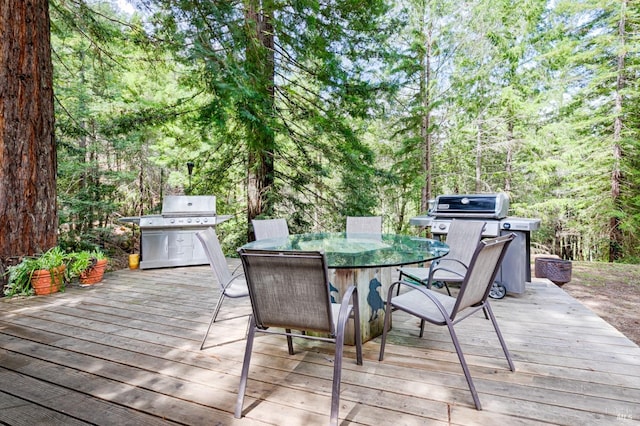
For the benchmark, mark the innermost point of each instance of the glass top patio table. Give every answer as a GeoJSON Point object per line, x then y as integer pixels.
{"type": "Point", "coordinates": [359, 250]}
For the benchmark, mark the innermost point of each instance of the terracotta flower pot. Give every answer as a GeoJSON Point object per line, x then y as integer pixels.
{"type": "Point", "coordinates": [94, 274]}
{"type": "Point", "coordinates": [45, 282]}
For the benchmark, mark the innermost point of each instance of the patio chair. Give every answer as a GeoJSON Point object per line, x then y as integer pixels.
{"type": "Point", "coordinates": [289, 290]}
{"type": "Point", "coordinates": [462, 239]}
{"type": "Point", "coordinates": [364, 225]}
{"type": "Point", "coordinates": [270, 228]}
{"type": "Point", "coordinates": [440, 309]}
{"type": "Point", "coordinates": [232, 284]}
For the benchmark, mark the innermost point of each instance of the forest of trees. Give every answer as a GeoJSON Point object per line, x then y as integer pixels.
{"type": "Point", "coordinates": [318, 110]}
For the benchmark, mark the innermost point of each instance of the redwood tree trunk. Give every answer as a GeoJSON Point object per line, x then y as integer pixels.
{"type": "Point", "coordinates": [425, 129]}
{"type": "Point", "coordinates": [261, 66]}
{"type": "Point", "coordinates": [615, 233]}
{"type": "Point", "coordinates": [28, 216]}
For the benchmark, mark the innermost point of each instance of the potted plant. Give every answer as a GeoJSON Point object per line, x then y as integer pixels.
{"type": "Point", "coordinates": [43, 274]}
{"type": "Point", "coordinates": [88, 266]}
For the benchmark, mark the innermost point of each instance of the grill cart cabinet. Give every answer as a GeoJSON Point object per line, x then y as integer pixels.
{"type": "Point", "coordinates": [516, 265]}
{"type": "Point", "coordinates": [176, 247]}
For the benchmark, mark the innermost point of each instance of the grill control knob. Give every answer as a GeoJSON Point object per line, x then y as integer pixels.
{"type": "Point", "coordinates": [172, 220]}
{"type": "Point", "coordinates": [506, 225]}
{"type": "Point", "coordinates": [442, 226]}
{"type": "Point", "coordinates": [189, 220]}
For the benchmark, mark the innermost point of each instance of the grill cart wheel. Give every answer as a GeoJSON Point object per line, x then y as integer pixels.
{"type": "Point", "coordinates": [498, 291]}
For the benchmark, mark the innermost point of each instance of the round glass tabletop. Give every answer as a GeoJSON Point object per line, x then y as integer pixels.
{"type": "Point", "coordinates": [359, 250]}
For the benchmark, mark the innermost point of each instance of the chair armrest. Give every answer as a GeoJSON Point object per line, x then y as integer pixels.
{"type": "Point", "coordinates": [236, 270]}
{"type": "Point", "coordinates": [432, 270]}
{"type": "Point", "coordinates": [350, 294]}
{"type": "Point", "coordinates": [429, 294]}
{"type": "Point", "coordinates": [233, 278]}
{"type": "Point", "coordinates": [346, 309]}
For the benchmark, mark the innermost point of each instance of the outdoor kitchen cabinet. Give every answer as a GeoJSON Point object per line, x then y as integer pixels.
{"type": "Point", "coordinates": [165, 248]}
{"type": "Point", "coordinates": [169, 239]}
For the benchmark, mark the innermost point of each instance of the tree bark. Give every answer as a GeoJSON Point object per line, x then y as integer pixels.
{"type": "Point", "coordinates": [479, 156]}
{"type": "Point", "coordinates": [615, 234]}
{"type": "Point", "coordinates": [508, 166]}
{"type": "Point", "coordinates": [425, 128]}
{"type": "Point", "coordinates": [260, 65]}
{"type": "Point", "coordinates": [28, 215]}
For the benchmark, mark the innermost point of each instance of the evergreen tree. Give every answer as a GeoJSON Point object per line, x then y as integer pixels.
{"type": "Point", "coordinates": [288, 84]}
{"type": "Point", "coordinates": [28, 216]}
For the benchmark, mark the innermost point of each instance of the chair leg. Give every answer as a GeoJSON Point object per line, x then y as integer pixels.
{"type": "Point", "coordinates": [421, 328]}
{"type": "Point", "coordinates": [387, 322]}
{"type": "Point", "coordinates": [465, 368]}
{"type": "Point", "coordinates": [488, 310]}
{"type": "Point", "coordinates": [337, 363]}
{"type": "Point", "coordinates": [213, 319]}
{"type": "Point", "coordinates": [399, 279]}
{"type": "Point", "coordinates": [357, 333]}
{"type": "Point", "coordinates": [245, 369]}
{"type": "Point", "coordinates": [289, 341]}
{"type": "Point", "coordinates": [337, 374]}
{"type": "Point", "coordinates": [447, 288]}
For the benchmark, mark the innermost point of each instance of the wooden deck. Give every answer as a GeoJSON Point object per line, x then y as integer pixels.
{"type": "Point", "coordinates": [126, 352]}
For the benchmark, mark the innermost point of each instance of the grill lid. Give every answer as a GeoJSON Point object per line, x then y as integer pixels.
{"type": "Point", "coordinates": [188, 205]}
{"type": "Point", "coordinates": [494, 206]}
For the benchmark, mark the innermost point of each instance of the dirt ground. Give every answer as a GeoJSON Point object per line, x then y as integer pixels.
{"type": "Point", "coordinates": [610, 290]}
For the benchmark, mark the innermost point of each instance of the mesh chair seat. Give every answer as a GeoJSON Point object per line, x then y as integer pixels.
{"type": "Point", "coordinates": [408, 302]}
{"type": "Point", "coordinates": [237, 288]}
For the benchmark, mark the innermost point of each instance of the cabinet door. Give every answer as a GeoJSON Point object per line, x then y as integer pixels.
{"type": "Point", "coordinates": [154, 245]}
{"type": "Point", "coordinates": [181, 245]}
{"type": "Point", "coordinates": [198, 251]}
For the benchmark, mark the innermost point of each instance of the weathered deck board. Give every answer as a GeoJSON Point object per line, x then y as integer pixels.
{"type": "Point", "coordinates": [126, 352]}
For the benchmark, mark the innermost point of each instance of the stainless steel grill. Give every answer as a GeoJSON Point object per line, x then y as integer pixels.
{"type": "Point", "coordinates": [490, 206]}
{"type": "Point", "coordinates": [168, 239]}
{"type": "Point", "coordinates": [492, 209]}
{"type": "Point", "coordinates": [183, 211]}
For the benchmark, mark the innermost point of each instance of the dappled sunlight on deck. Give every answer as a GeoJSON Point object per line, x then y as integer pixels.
{"type": "Point", "coordinates": [126, 351]}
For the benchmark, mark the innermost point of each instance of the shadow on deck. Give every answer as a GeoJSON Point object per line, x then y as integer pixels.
{"type": "Point", "coordinates": [126, 352]}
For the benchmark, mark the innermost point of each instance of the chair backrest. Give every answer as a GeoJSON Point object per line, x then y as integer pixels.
{"type": "Point", "coordinates": [462, 239]}
{"type": "Point", "coordinates": [483, 269]}
{"type": "Point", "coordinates": [364, 224]}
{"type": "Point", "coordinates": [289, 289]}
{"type": "Point", "coordinates": [214, 253]}
{"type": "Point", "coordinates": [270, 228]}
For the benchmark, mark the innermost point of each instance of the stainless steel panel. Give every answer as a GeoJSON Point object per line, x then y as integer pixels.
{"type": "Point", "coordinates": [441, 227]}
{"type": "Point", "coordinates": [421, 221]}
{"type": "Point", "coordinates": [154, 247]}
{"type": "Point", "coordinates": [174, 247]}
{"type": "Point", "coordinates": [189, 205]}
{"type": "Point", "coordinates": [515, 270]}
{"type": "Point", "coordinates": [150, 221]}
{"type": "Point", "coordinates": [520, 224]}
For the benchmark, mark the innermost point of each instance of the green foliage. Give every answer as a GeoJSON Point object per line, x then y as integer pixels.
{"type": "Point", "coordinates": [518, 97]}
{"type": "Point", "coordinates": [82, 261]}
{"type": "Point", "coordinates": [19, 276]}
